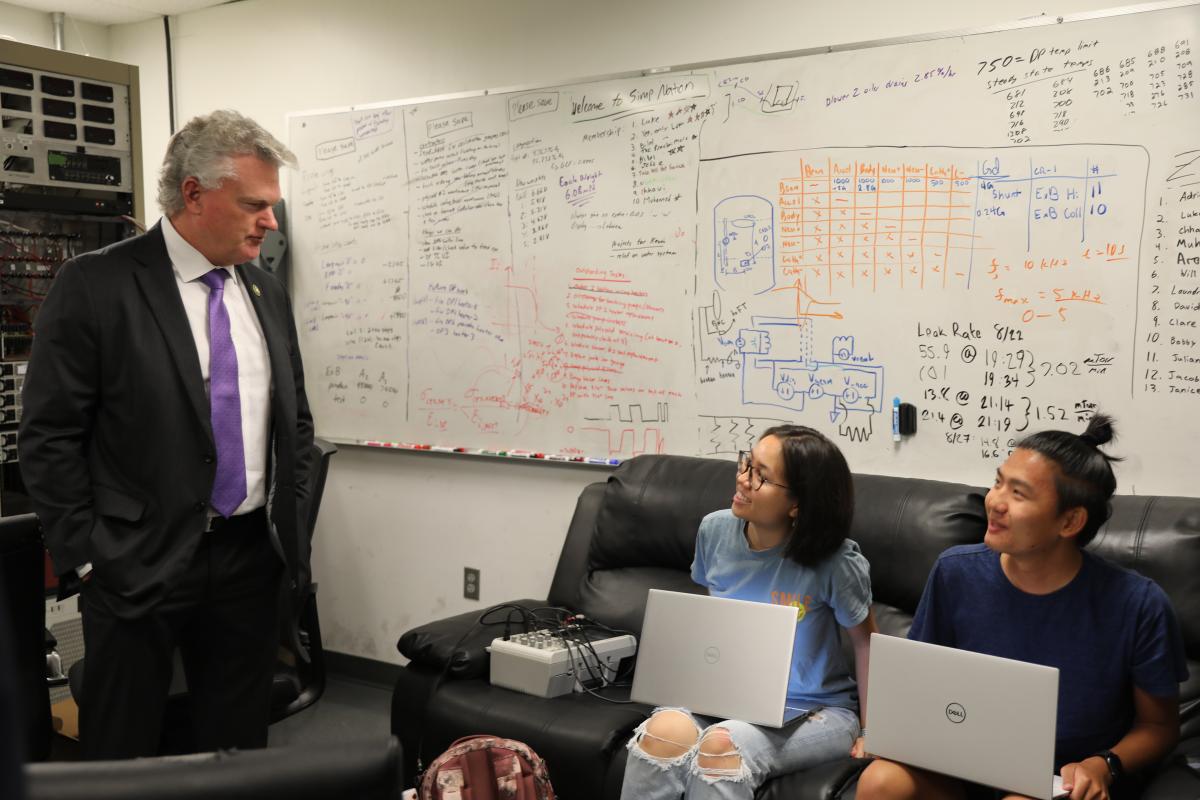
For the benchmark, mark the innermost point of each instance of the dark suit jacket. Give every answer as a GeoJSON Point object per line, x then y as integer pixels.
{"type": "Point", "coordinates": [116, 445]}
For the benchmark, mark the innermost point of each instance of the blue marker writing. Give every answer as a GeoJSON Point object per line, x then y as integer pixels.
{"type": "Point", "coordinates": [895, 419]}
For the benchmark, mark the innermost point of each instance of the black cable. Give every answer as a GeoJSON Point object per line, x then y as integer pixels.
{"type": "Point", "coordinates": [170, 74]}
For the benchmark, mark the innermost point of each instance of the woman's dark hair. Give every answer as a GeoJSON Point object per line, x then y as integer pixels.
{"type": "Point", "coordinates": [818, 478]}
{"type": "Point", "coordinates": [1084, 478]}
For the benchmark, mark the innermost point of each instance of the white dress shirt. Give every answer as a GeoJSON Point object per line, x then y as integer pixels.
{"type": "Point", "coordinates": [254, 368]}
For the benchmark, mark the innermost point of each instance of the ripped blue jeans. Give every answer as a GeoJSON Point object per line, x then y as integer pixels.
{"type": "Point", "coordinates": [759, 752]}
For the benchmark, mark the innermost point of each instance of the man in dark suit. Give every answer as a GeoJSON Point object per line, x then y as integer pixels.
{"type": "Point", "coordinates": [166, 443]}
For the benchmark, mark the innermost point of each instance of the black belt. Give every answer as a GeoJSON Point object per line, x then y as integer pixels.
{"type": "Point", "coordinates": [218, 523]}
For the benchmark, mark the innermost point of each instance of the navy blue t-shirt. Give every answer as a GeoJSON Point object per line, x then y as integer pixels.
{"type": "Point", "coordinates": [1106, 631]}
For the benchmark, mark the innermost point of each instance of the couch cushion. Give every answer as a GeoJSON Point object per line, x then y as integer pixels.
{"type": "Point", "coordinates": [645, 533]}
{"type": "Point", "coordinates": [1160, 538]}
{"type": "Point", "coordinates": [903, 524]}
{"type": "Point", "coordinates": [617, 597]}
{"type": "Point", "coordinates": [652, 508]}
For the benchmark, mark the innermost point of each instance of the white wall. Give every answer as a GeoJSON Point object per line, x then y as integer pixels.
{"type": "Point", "coordinates": [144, 44]}
{"type": "Point", "coordinates": [397, 529]}
{"type": "Point", "coordinates": [35, 27]}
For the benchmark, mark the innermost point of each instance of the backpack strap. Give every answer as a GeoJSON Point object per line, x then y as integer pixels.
{"type": "Point", "coordinates": [478, 764]}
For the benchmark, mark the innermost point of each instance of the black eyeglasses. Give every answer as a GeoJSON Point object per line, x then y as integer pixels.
{"type": "Point", "coordinates": [746, 465]}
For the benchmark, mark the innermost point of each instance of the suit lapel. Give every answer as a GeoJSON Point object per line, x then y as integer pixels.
{"type": "Point", "coordinates": [157, 282]}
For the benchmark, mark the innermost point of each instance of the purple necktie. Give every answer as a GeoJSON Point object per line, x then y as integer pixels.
{"type": "Point", "coordinates": [229, 488]}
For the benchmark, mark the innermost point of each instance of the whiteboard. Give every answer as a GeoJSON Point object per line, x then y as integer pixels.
{"type": "Point", "coordinates": [1001, 228]}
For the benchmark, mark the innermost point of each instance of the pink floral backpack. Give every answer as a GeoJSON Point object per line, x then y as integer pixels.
{"type": "Point", "coordinates": [487, 768]}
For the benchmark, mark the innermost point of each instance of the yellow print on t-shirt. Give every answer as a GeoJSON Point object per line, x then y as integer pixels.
{"type": "Point", "coordinates": [801, 604]}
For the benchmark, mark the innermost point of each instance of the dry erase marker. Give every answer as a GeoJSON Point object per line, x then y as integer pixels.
{"type": "Point", "coordinates": [439, 449]}
{"type": "Point", "coordinates": [556, 457]}
{"type": "Point", "coordinates": [895, 419]}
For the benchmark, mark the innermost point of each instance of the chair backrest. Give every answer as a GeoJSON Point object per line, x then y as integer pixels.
{"type": "Point", "coordinates": [22, 581]}
{"type": "Point", "coordinates": [12, 739]}
{"type": "Point", "coordinates": [369, 770]}
{"type": "Point", "coordinates": [300, 675]}
{"type": "Point", "coordinates": [322, 451]}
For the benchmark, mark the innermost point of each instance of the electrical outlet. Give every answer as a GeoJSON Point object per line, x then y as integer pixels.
{"type": "Point", "coordinates": [470, 583]}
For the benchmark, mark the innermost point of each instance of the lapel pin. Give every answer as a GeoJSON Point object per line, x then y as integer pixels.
{"type": "Point", "coordinates": [257, 291]}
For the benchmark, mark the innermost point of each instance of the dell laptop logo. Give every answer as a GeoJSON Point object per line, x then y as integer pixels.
{"type": "Point", "coordinates": [956, 713]}
{"type": "Point", "coordinates": [712, 655]}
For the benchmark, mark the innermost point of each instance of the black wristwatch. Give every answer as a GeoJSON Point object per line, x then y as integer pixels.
{"type": "Point", "coordinates": [1115, 768]}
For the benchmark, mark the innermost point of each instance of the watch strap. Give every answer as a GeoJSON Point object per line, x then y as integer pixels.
{"type": "Point", "coordinates": [1115, 768]}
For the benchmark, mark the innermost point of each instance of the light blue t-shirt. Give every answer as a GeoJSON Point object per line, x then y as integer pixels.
{"type": "Point", "coordinates": [835, 592]}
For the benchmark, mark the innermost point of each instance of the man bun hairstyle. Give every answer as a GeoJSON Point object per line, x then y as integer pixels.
{"type": "Point", "coordinates": [818, 479]}
{"type": "Point", "coordinates": [205, 148]}
{"type": "Point", "coordinates": [1084, 478]}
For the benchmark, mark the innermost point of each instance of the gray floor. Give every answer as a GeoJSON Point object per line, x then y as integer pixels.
{"type": "Point", "coordinates": [348, 710]}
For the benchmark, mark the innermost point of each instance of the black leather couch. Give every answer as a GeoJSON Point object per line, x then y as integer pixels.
{"type": "Point", "coordinates": [637, 531]}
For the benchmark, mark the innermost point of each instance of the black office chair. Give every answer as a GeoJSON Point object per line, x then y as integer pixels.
{"type": "Point", "coordinates": [300, 668]}
{"type": "Point", "coordinates": [23, 576]}
{"type": "Point", "coordinates": [364, 770]}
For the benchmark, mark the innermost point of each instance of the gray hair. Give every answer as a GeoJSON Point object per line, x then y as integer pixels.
{"type": "Point", "coordinates": [205, 149]}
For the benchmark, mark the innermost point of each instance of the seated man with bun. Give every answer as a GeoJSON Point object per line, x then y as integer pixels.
{"type": "Point", "coordinates": [1031, 592]}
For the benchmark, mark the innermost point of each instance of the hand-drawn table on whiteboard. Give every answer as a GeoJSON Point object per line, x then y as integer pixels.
{"type": "Point", "coordinates": [1002, 228]}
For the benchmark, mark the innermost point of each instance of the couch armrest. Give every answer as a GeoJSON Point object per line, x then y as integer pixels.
{"type": "Point", "coordinates": [459, 641]}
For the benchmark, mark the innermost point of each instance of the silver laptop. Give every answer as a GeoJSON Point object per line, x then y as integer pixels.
{"type": "Point", "coordinates": [981, 718]}
{"type": "Point", "coordinates": [717, 657]}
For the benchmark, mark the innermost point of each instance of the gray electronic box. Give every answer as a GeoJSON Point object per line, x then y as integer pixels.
{"type": "Point", "coordinates": [547, 664]}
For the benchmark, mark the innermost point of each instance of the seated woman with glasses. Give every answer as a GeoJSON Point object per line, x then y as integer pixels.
{"type": "Point", "coordinates": [783, 541]}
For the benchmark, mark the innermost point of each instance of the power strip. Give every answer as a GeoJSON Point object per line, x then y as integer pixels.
{"type": "Point", "coordinates": [547, 664]}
